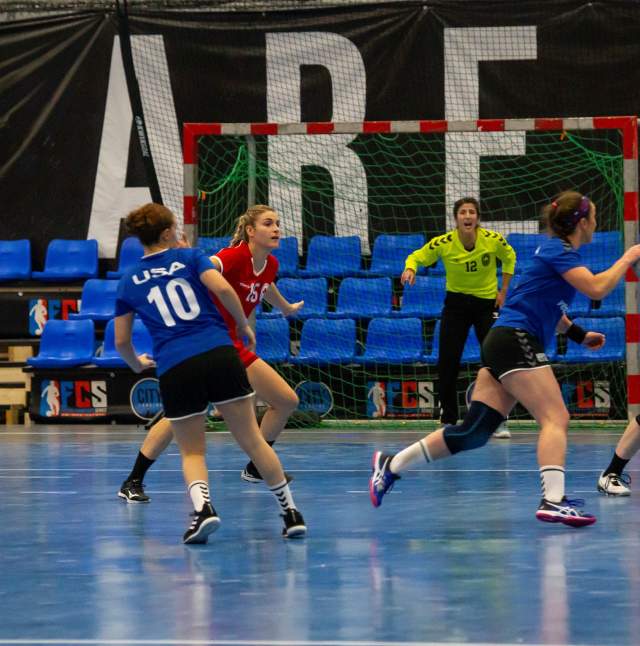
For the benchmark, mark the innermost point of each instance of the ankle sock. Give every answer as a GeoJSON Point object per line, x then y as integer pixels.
{"type": "Point", "coordinates": [552, 482]}
{"type": "Point", "coordinates": [140, 467]}
{"type": "Point", "coordinates": [616, 465]}
{"type": "Point", "coordinates": [199, 492]}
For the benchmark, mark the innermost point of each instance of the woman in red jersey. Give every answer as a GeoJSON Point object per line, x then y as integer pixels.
{"type": "Point", "coordinates": [250, 268]}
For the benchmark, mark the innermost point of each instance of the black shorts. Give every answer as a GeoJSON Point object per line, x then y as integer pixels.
{"type": "Point", "coordinates": [215, 376]}
{"type": "Point", "coordinates": [507, 349]}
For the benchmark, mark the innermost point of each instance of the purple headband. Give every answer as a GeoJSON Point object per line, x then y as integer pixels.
{"type": "Point", "coordinates": [582, 211]}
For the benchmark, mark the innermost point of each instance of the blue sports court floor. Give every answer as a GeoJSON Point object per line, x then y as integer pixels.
{"type": "Point", "coordinates": [454, 555]}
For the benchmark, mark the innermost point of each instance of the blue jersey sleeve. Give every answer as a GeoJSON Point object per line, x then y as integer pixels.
{"type": "Point", "coordinates": [122, 307]}
{"type": "Point", "coordinates": [560, 256]}
{"type": "Point", "coordinates": [202, 261]}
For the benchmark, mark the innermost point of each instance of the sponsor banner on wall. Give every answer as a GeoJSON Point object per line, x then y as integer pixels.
{"type": "Point", "coordinates": [71, 164]}
{"type": "Point", "coordinates": [401, 398]}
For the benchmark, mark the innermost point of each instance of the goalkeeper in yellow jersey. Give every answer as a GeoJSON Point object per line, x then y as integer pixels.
{"type": "Point", "coordinates": [469, 255]}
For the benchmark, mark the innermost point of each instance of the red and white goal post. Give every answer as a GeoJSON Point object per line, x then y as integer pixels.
{"type": "Point", "coordinates": [623, 129]}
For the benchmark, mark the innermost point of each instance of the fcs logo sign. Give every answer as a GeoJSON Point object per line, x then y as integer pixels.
{"type": "Point", "coordinates": [42, 310]}
{"type": "Point", "coordinates": [79, 398]}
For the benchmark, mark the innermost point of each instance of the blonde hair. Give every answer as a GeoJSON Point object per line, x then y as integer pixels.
{"type": "Point", "coordinates": [148, 222]}
{"type": "Point", "coordinates": [248, 219]}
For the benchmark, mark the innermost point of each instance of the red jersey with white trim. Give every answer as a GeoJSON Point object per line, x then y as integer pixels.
{"type": "Point", "coordinates": [249, 282]}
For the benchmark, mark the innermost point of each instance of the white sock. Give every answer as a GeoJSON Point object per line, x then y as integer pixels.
{"type": "Point", "coordinates": [417, 452]}
{"type": "Point", "coordinates": [552, 481]}
{"type": "Point", "coordinates": [199, 492]}
{"type": "Point", "coordinates": [283, 495]}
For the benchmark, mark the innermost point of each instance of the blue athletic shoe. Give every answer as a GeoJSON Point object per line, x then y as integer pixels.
{"type": "Point", "coordinates": [382, 479]}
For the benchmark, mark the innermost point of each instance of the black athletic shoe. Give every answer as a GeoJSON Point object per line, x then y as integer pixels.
{"type": "Point", "coordinates": [204, 522]}
{"type": "Point", "coordinates": [251, 474]}
{"type": "Point", "coordinates": [294, 526]}
{"type": "Point", "coordinates": [133, 491]}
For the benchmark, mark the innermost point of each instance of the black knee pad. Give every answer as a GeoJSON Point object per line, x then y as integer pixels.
{"type": "Point", "coordinates": [475, 430]}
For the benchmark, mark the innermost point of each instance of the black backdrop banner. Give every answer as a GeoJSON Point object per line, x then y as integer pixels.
{"type": "Point", "coordinates": [70, 164]}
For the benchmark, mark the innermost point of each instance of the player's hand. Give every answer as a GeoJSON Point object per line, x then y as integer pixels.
{"type": "Point", "coordinates": [246, 332]}
{"type": "Point", "coordinates": [500, 299]}
{"type": "Point", "coordinates": [294, 308]}
{"type": "Point", "coordinates": [632, 254]}
{"type": "Point", "coordinates": [594, 340]}
{"type": "Point", "coordinates": [183, 243]}
{"type": "Point", "coordinates": [145, 362]}
{"type": "Point", "coordinates": [408, 276]}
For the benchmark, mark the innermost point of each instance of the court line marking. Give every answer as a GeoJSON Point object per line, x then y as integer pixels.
{"type": "Point", "coordinates": [57, 493]}
{"type": "Point", "coordinates": [22, 477]}
{"type": "Point", "coordinates": [238, 642]}
{"type": "Point", "coordinates": [299, 471]}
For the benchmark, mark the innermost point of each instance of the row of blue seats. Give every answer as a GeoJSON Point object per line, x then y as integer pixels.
{"type": "Point", "coordinates": [341, 256]}
{"type": "Point", "coordinates": [66, 260]}
{"type": "Point", "coordinates": [326, 256]}
{"type": "Point", "coordinates": [322, 341]}
{"type": "Point", "coordinates": [357, 298]}
{"type": "Point", "coordinates": [393, 341]}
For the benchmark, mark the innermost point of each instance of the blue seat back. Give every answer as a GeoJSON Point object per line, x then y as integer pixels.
{"type": "Point", "coordinates": [272, 340]}
{"type": "Point", "coordinates": [98, 301]}
{"type": "Point", "coordinates": [431, 356]}
{"type": "Point", "coordinates": [333, 256]}
{"type": "Point", "coordinates": [424, 298]}
{"type": "Point", "coordinates": [70, 259]}
{"type": "Point", "coordinates": [614, 349]}
{"type": "Point", "coordinates": [612, 305]}
{"type": "Point", "coordinates": [364, 297]}
{"type": "Point", "coordinates": [131, 251]}
{"type": "Point", "coordinates": [471, 352]}
{"type": "Point", "coordinates": [15, 259]}
{"type": "Point", "coordinates": [212, 245]}
{"type": "Point", "coordinates": [603, 250]}
{"type": "Point", "coordinates": [328, 340]}
{"type": "Point", "coordinates": [65, 343]}
{"type": "Point", "coordinates": [313, 291]}
{"type": "Point", "coordinates": [525, 245]}
{"type": "Point", "coordinates": [287, 255]}
{"type": "Point", "coordinates": [391, 251]}
{"type": "Point", "coordinates": [140, 338]}
{"type": "Point", "coordinates": [394, 340]}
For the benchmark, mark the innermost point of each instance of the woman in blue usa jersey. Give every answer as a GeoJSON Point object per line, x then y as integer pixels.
{"type": "Point", "coordinates": [195, 360]}
{"type": "Point", "coordinates": [515, 367]}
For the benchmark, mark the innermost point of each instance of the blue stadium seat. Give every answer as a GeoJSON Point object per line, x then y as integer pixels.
{"type": "Point", "coordinates": [525, 245]}
{"type": "Point", "coordinates": [425, 298]}
{"type": "Point", "coordinates": [613, 350]}
{"type": "Point", "coordinates": [65, 344]}
{"type": "Point", "coordinates": [211, 246]}
{"type": "Point", "coordinates": [391, 251]}
{"type": "Point", "coordinates": [287, 255]}
{"type": "Point", "coordinates": [471, 352]}
{"type": "Point", "coordinates": [605, 248]}
{"type": "Point", "coordinates": [272, 340]}
{"type": "Point", "coordinates": [326, 341]}
{"type": "Point", "coordinates": [313, 291]}
{"type": "Point", "coordinates": [110, 357]}
{"type": "Point", "coordinates": [98, 300]}
{"type": "Point", "coordinates": [15, 260]}
{"type": "Point", "coordinates": [391, 340]}
{"type": "Point", "coordinates": [431, 356]}
{"type": "Point", "coordinates": [363, 298]}
{"type": "Point", "coordinates": [131, 251]}
{"type": "Point", "coordinates": [333, 256]}
{"type": "Point", "coordinates": [69, 260]}
{"type": "Point", "coordinates": [612, 305]}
